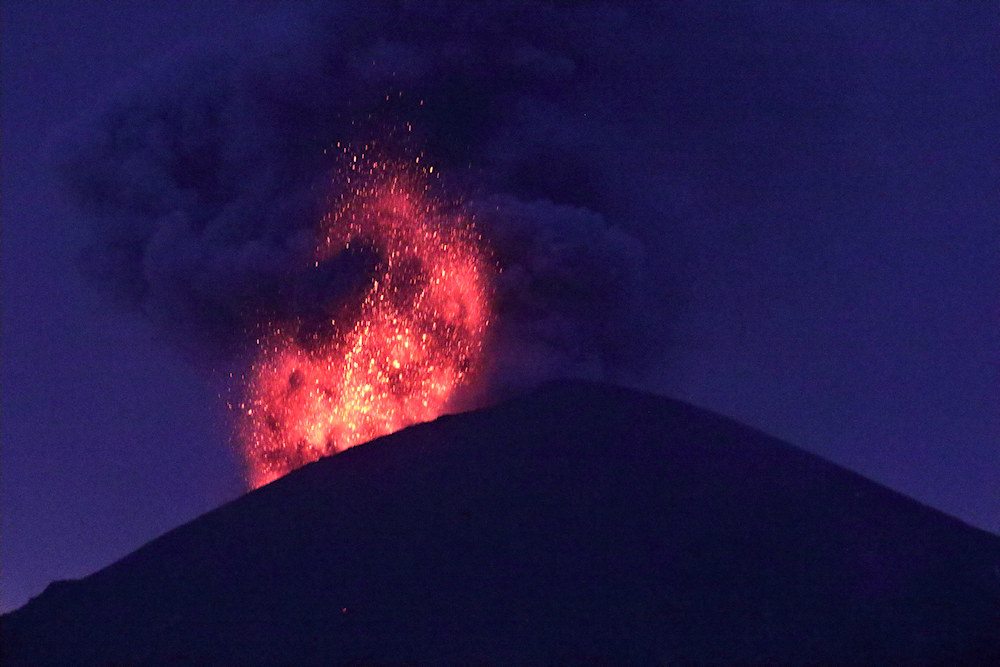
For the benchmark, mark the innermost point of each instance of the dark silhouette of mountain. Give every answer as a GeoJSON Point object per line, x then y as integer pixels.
{"type": "Point", "coordinates": [579, 524]}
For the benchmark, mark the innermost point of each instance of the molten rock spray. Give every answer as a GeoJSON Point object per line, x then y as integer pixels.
{"type": "Point", "coordinates": [392, 356]}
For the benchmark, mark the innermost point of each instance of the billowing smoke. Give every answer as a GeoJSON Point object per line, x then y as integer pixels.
{"type": "Point", "coordinates": [571, 293]}
{"type": "Point", "coordinates": [584, 136]}
{"type": "Point", "coordinates": [204, 182]}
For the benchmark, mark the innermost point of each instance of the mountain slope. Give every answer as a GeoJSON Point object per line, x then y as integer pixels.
{"type": "Point", "coordinates": [580, 523]}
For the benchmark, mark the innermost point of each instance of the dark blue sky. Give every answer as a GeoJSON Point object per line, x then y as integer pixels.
{"type": "Point", "coordinates": [812, 187]}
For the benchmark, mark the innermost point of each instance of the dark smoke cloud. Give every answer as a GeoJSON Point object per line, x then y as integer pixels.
{"type": "Point", "coordinates": [570, 294]}
{"type": "Point", "coordinates": [203, 183]}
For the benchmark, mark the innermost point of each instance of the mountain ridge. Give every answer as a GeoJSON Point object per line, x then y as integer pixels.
{"type": "Point", "coordinates": [579, 523]}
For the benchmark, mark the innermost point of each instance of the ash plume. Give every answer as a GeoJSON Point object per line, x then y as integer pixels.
{"type": "Point", "coordinates": [203, 183]}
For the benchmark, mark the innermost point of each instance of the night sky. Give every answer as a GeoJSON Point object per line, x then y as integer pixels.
{"type": "Point", "coordinates": [785, 212]}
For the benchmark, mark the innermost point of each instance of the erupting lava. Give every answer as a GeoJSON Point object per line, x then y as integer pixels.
{"type": "Point", "coordinates": [396, 353]}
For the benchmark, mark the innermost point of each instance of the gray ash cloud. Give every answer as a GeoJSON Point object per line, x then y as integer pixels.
{"type": "Point", "coordinates": [203, 183]}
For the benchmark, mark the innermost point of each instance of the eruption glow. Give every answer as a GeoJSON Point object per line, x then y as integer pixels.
{"type": "Point", "coordinates": [393, 356]}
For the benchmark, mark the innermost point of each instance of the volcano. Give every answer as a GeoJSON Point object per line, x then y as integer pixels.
{"type": "Point", "coordinates": [582, 523]}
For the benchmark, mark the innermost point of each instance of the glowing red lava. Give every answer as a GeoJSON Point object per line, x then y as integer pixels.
{"type": "Point", "coordinates": [398, 352]}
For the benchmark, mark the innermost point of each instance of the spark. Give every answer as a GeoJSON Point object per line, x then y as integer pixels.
{"type": "Point", "coordinates": [398, 352]}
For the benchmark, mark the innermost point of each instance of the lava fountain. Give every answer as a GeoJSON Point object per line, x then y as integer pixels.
{"type": "Point", "coordinates": [392, 356]}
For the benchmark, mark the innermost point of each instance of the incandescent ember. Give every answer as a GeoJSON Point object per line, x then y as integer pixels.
{"type": "Point", "coordinates": [395, 354]}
